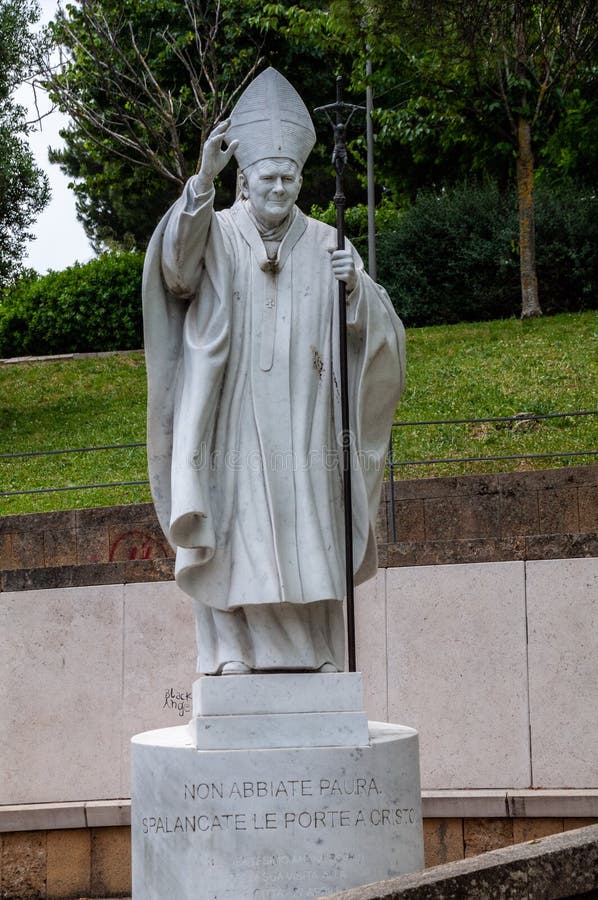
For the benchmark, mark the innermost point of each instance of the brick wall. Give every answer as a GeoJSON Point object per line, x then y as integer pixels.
{"type": "Point", "coordinates": [76, 862]}
{"type": "Point", "coordinates": [108, 545]}
{"type": "Point", "coordinates": [95, 862]}
{"type": "Point", "coordinates": [550, 514]}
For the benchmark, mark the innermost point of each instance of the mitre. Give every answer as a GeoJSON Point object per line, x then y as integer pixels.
{"type": "Point", "coordinates": [271, 120]}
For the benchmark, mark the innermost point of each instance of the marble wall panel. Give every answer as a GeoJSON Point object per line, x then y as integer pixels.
{"type": "Point", "coordinates": [441, 648]}
{"type": "Point", "coordinates": [370, 639]}
{"type": "Point", "coordinates": [457, 671]}
{"type": "Point", "coordinates": [562, 601]}
{"type": "Point", "coordinates": [60, 694]}
{"type": "Point", "coordinates": [159, 662]}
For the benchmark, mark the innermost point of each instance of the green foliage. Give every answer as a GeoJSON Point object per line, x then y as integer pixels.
{"type": "Point", "coordinates": [572, 149]}
{"type": "Point", "coordinates": [451, 79]}
{"type": "Point", "coordinates": [16, 46]}
{"type": "Point", "coordinates": [452, 256]}
{"type": "Point", "coordinates": [434, 124]}
{"type": "Point", "coordinates": [175, 70]}
{"type": "Point", "coordinates": [567, 245]}
{"type": "Point", "coordinates": [23, 187]}
{"type": "Point", "coordinates": [91, 307]}
{"type": "Point", "coordinates": [118, 203]}
{"type": "Point", "coordinates": [447, 91]}
{"type": "Point", "coordinates": [24, 193]}
{"type": "Point", "coordinates": [387, 217]}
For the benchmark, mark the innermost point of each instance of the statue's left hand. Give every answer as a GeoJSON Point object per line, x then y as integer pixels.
{"type": "Point", "coordinates": [343, 268]}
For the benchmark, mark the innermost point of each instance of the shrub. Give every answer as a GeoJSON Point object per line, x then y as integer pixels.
{"type": "Point", "coordinates": [91, 307]}
{"type": "Point", "coordinates": [567, 246]}
{"type": "Point", "coordinates": [356, 221]}
{"type": "Point", "coordinates": [453, 256]}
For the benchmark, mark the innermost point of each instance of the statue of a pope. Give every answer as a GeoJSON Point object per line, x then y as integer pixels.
{"type": "Point", "coordinates": [241, 341]}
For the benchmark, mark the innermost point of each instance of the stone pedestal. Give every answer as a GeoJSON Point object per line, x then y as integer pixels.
{"type": "Point", "coordinates": [275, 789]}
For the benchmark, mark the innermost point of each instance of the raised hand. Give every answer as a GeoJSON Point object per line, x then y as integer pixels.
{"type": "Point", "coordinates": [214, 158]}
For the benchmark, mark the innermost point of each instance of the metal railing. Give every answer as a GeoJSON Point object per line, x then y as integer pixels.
{"type": "Point", "coordinates": [392, 464]}
{"type": "Point", "coordinates": [519, 417]}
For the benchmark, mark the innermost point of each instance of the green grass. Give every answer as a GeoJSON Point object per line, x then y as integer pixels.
{"type": "Point", "coordinates": [463, 371]}
{"type": "Point", "coordinates": [72, 403]}
{"type": "Point", "coordinates": [500, 368]}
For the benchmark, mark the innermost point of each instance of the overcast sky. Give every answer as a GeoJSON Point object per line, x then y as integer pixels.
{"type": "Point", "coordinates": [60, 239]}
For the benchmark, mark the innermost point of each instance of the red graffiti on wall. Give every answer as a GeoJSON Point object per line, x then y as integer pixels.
{"type": "Point", "coordinates": [138, 543]}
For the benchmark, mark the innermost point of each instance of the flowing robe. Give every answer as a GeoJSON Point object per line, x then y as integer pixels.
{"type": "Point", "coordinates": [244, 418]}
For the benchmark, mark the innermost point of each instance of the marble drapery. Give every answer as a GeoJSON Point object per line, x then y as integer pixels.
{"type": "Point", "coordinates": [244, 424]}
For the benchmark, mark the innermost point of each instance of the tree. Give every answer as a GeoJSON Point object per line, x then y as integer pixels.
{"type": "Point", "coordinates": [23, 187]}
{"type": "Point", "coordinates": [506, 65]}
{"type": "Point", "coordinates": [144, 83]}
{"type": "Point", "coordinates": [429, 127]}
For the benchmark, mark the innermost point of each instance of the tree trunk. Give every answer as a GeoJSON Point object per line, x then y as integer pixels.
{"type": "Point", "coordinates": [530, 304]}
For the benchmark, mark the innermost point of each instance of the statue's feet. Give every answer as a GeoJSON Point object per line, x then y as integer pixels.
{"type": "Point", "coordinates": [327, 667]}
{"type": "Point", "coordinates": [235, 667]}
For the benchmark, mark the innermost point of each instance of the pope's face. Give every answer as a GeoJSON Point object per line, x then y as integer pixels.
{"type": "Point", "coordinates": [272, 187]}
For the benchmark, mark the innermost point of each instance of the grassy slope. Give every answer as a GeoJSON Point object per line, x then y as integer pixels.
{"type": "Point", "coordinates": [462, 371]}
{"type": "Point", "coordinates": [500, 368]}
{"type": "Point", "coordinates": [72, 403]}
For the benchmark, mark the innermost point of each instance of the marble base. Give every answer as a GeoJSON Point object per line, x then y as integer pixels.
{"type": "Point", "coordinates": [288, 692]}
{"type": "Point", "coordinates": [274, 823]}
{"type": "Point", "coordinates": [346, 729]}
{"type": "Point", "coordinates": [240, 712]}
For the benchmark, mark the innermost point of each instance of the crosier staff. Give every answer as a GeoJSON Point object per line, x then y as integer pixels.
{"type": "Point", "coordinates": [339, 159]}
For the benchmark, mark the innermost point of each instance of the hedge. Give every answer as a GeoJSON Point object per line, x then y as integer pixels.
{"type": "Point", "coordinates": [452, 256]}
{"type": "Point", "coordinates": [90, 307]}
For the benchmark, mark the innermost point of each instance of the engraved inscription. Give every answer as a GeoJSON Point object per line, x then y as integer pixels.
{"type": "Point", "coordinates": [295, 817]}
{"type": "Point", "coordinates": [293, 787]}
{"type": "Point", "coordinates": [270, 821]}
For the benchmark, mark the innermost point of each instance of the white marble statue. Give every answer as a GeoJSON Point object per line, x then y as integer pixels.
{"type": "Point", "coordinates": [241, 342]}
